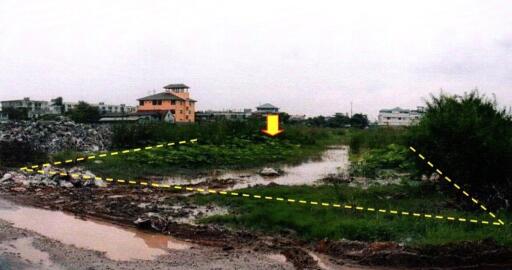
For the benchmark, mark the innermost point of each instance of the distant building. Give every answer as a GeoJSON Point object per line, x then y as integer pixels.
{"type": "Point", "coordinates": [210, 115]}
{"type": "Point", "coordinates": [103, 108]}
{"type": "Point", "coordinates": [298, 117]}
{"type": "Point", "coordinates": [34, 108]}
{"type": "Point", "coordinates": [399, 117]}
{"type": "Point", "coordinates": [266, 109]}
{"type": "Point", "coordinates": [175, 100]}
{"type": "Point", "coordinates": [3, 117]}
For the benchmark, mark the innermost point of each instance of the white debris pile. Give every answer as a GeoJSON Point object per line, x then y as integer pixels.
{"type": "Point", "coordinates": [56, 136]}
{"type": "Point", "coordinates": [55, 177]}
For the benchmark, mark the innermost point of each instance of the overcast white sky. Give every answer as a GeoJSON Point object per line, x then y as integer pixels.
{"type": "Point", "coordinates": [311, 57]}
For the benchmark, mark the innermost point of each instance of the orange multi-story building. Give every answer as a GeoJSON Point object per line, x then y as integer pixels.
{"type": "Point", "coordinates": [175, 100]}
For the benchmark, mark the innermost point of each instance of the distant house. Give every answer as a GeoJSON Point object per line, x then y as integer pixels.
{"type": "Point", "coordinates": [266, 109]}
{"type": "Point", "coordinates": [173, 104]}
{"type": "Point", "coordinates": [210, 115]}
{"type": "Point", "coordinates": [399, 117]}
{"type": "Point", "coordinates": [34, 108]}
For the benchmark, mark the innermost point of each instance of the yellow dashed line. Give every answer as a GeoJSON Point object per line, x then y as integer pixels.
{"type": "Point", "coordinates": [104, 155]}
{"type": "Point", "coordinates": [325, 204]}
{"type": "Point", "coordinates": [474, 200]}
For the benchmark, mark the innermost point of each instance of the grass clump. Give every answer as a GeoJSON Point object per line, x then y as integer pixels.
{"type": "Point", "coordinates": [317, 222]}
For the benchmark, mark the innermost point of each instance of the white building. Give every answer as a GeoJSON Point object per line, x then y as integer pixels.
{"type": "Point", "coordinates": [34, 108]}
{"type": "Point", "coordinates": [103, 108]}
{"type": "Point", "coordinates": [400, 117]}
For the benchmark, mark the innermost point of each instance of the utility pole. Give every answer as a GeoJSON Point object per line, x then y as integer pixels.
{"type": "Point", "coordinates": [350, 109]}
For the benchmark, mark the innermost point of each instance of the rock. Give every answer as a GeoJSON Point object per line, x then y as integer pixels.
{"type": "Point", "coordinates": [379, 246]}
{"type": "Point", "coordinates": [65, 184]}
{"type": "Point", "coordinates": [144, 223]}
{"type": "Point", "coordinates": [19, 189]}
{"type": "Point", "coordinates": [143, 205]}
{"type": "Point", "coordinates": [100, 183]}
{"type": "Point", "coordinates": [269, 172]}
{"type": "Point", "coordinates": [6, 177]}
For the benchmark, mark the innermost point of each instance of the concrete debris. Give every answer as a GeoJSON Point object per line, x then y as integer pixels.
{"type": "Point", "coordinates": [269, 172]}
{"type": "Point", "coordinates": [56, 136]}
{"type": "Point", "coordinates": [82, 178]}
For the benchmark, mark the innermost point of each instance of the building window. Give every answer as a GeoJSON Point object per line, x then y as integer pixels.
{"type": "Point", "coordinates": [181, 111]}
{"type": "Point", "coordinates": [173, 112]}
{"type": "Point", "coordinates": [141, 102]}
{"type": "Point", "coordinates": [157, 102]}
{"type": "Point", "coordinates": [173, 102]}
{"type": "Point", "coordinates": [186, 117]}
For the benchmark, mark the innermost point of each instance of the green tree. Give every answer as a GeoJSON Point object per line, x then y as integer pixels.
{"type": "Point", "coordinates": [359, 120]}
{"type": "Point", "coordinates": [16, 113]}
{"type": "Point", "coordinates": [470, 139]}
{"type": "Point", "coordinates": [338, 121]}
{"type": "Point", "coordinates": [58, 102]}
{"type": "Point", "coordinates": [84, 113]}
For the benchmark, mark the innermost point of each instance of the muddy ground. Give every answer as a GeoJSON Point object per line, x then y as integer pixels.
{"type": "Point", "coordinates": [166, 212]}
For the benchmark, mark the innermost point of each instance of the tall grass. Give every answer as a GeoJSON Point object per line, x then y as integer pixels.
{"type": "Point", "coordinates": [218, 133]}
{"type": "Point", "coordinates": [372, 138]}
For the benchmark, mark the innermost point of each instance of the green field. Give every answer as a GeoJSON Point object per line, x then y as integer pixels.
{"type": "Point", "coordinates": [314, 222]}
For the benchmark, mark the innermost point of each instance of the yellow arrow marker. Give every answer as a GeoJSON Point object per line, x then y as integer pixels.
{"type": "Point", "coordinates": [272, 125]}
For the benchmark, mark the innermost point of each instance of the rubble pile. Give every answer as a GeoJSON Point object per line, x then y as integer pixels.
{"type": "Point", "coordinates": [56, 136]}
{"type": "Point", "coordinates": [20, 181]}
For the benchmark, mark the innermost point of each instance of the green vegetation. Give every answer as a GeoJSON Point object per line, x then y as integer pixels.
{"type": "Point", "coordinates": [378, 137]}
{"type": "Point", "coordinates": [84, 113]}
{"type": "Point", "coordinates": [339, 120]}
{"type": "Point", "coordinates": [19, 153]}
{"type": "Point", "coordinates": [375, 162]}
{"type": "Point", "coordinates": [220, 145]}
{"type": "Point", "coordinates": [16, 114]}
{"type": "Point", "coordinates": [470, 138]}
{"type": "Point", "coordinates": [318, 222]}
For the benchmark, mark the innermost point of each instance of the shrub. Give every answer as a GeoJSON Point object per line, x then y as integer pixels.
{"type": "Point", "coordinates": [375, 138]}
{"type": "Point", "coordinates": [85, 113]}
{"type": "Point", "coordinates": [14, 153]}
{"type": "Point", "coordinates": [470, 139]}
{"type": "Point", "coordinates": [372, 162]}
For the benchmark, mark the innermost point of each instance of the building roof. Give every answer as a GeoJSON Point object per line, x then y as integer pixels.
{"type": "Point", "coordinates": [267, 106]}
{"type": "Point", "coordinates": [400, 110]}
{"type": "Point", "coordinates": [162, 96]}
{"type": "Point", "coordinates": [176, 86]}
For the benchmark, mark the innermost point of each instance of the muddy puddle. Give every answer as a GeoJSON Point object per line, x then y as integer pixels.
{"type": "Point", "coordinates": [334, 160]}
{"type": "Point", "coordinates": [118, 243]}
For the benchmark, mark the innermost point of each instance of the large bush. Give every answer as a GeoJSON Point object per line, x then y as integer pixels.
{"type": "Point", "coordinates": [85, 113]}
{"type": "Point", "coordinates": [470, 139]}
